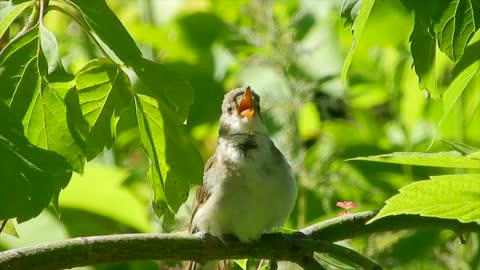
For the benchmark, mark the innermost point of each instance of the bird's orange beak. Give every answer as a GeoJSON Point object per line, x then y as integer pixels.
{"type": "Point", "coordinates": [246, 107]}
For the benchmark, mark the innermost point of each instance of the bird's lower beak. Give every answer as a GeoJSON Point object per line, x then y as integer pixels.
{"type": "Point", "coordinates": [246, 107]}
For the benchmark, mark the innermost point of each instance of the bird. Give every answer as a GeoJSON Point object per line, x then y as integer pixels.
{"type": "Point", "coordinates": [248, 185]}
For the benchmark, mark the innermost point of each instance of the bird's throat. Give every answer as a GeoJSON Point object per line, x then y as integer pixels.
{"type": "Point", "coordinates": [241, 143]}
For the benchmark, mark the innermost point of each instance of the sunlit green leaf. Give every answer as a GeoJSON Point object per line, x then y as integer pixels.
{"type": "Point", "coordinates": [174, 160]}
{"type": "Point", "coordinates": [103, 92]}
{"type": "Point", "coordinates": [166, 85]}
{"type": "Point", "coordinates": [471, 100]}
{"type": "Point", "coordinates": [423, 47]}
{"type": "Point", "coordinates": [109, 29]}
{"type": "Point", "coordinates": [461, 147]}
{"type": "Point", "coordinates": [455, 28]}
{"type": "Point", "coordinates": [451, 159]}
{"type": "Point", "coordinates": [46, 125]}
{"type": "Point", "coordinates": [242, 263]}
{"type": "Point", "coordinates": [32, 97]}
{"type": "Point", "coordinates": [357, 30]}
{"type": "Point", "coordinates": [10, 12]}
{"type": "Point", "coordinates": [31, 177]}
{"type": "Point", "coordinates": [446, 196]}
{"type": "Point", "coordinates": [10, 228]}
{"type": "Point", "coordinates": [464, 71]}
{"type": "Point", "coordinates": [109, 197]}
{"type": "Point", "coordinates": [19, 62]}
{"type": "Point", "coordinates": [49, 46]}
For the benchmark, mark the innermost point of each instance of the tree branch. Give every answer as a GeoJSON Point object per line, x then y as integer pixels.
{"type": "Point", "coordinates": [310, 263]}
{"type": "Point", "coordinates": [350, 226]}
{"type": "Point", "coordinates": [280, 247]}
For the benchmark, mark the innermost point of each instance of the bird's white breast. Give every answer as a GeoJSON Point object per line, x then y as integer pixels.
{"type": "Point", "coordinates": [250, 195]}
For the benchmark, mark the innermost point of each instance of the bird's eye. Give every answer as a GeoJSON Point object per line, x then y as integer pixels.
{"type": "Point", "coordinates": [229, 109]}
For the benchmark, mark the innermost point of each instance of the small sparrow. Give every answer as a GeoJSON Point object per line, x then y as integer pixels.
{"type": "Point", "coordinates": [248, 185]}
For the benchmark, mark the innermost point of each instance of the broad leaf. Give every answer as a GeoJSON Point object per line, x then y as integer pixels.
{"type": "Point", "coordinates": [109, 29]}
{"type": "Point", "coordinates": [464, 71]}
{"type": "Point", "coordinates": [174, 160]}
{"type": "Point", "coordinates": [422, 47]}
{"type": "Point", "coordinates": [451, 159]}
{"type": "Point", "coordinates": [104, 92]}
{"type": "Point", "coordinates": [46, 125]}
{"type": "Point", "coordinates": [10, 12]}
{"type": "Point", "coordinates": [49, 46]}
{"type": "Point", "coordinates": [357, 29]}
{"type": "Point", "coordinates": [166, 85]}
{"type": "Point", "coordinates": [31, 177]}
{"type": "Point", "coordinates": [446, 196]}
{"type": "Point", "coordinates": [455, 28]}
{"type": "Point", "coordinates": [19, 74]}
{"type": "Point", "coordinates": [33, 98]}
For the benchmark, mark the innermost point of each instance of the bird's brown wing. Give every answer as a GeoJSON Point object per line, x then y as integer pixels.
{"type": "Point", "coordinates": [201, 196]}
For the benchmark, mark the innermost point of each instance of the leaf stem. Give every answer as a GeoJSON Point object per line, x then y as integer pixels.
{"type": "Point", "coordinates": [82, 23]}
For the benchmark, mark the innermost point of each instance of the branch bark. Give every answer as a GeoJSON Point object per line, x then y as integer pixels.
{"type": "Point", "coordinates": [297, 247]}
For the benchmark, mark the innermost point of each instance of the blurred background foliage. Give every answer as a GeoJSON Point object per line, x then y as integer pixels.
{"type": "Point", "coordinates": [291, 53]}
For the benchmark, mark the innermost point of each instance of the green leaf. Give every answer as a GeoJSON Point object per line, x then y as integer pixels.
{"type": "Point", "coordinates": [10, 228]}
{"type": "Point", "coordinates": [23, 71]}
{"type": "Point", "coordinates": [335, 261]}
{"type": "Point", "coordinates": [166, 85]}
{"type": "Point", "coordinates": [446, 196]}
{"type": "Point", "coordinates": [357, 29]}
{"type": "Point", "coordinates": [349, 11]}
{"type": "Point", "coordinates": [104, 92]}
{"type": "Point", "coordinates": [174, 160]}
{"type": "Point", "coordinates": [422, 47]}
{"type": "Point", "coordinates": [109, 29]}
{"type": "Point", "coordinates": [464, 71]}
{"type": "Point", "coordinates": [85, 192]}
{"type": "Point", "coordinates": [242, 263]}
{"type": "Point", "coordinates": [461, 147]}
{"type": "Point", "coordinates": [10, 12]}
{"type": "Point", "coordinates": [455, 28]}
{"type": "Point", "coordinates": [49, 46]}
{"type": "Point", "coordinates": [31, 177]}
{"type": "Point", "coordinates": [46, 125]}
{"type": "Point", "coordinates": [451, 159]}
{"type": "Point", "coordinates": [19, 64]}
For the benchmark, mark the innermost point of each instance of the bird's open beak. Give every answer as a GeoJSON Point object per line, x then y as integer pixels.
{"type": "Point", "coordinates": [246, 107]}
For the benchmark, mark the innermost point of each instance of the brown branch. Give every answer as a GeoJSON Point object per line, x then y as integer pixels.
{"type": "Point", "coordinates": [280, 247]}
{"type": "Point", "coordinates": [350, 226]}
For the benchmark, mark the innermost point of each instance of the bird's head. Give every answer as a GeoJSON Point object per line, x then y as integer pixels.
{"type": "Point", "coordinates": [241, 113]}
